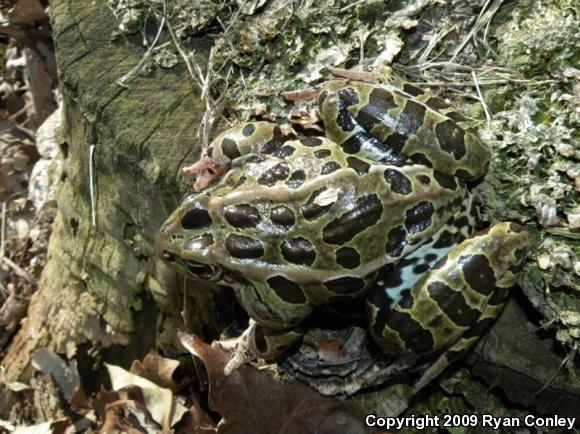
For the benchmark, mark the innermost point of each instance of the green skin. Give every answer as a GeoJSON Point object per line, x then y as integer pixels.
{"type": "Point", "coordinates": [296, 225]}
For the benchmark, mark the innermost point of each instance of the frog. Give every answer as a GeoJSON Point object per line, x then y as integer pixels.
{"type": "Point", "coordinates": [378, 209]}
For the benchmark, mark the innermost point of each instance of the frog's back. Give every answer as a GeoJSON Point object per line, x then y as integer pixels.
{"type": "Point", "coordinates": [314, 214]}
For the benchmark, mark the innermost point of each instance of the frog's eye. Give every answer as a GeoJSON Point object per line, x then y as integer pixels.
{"type": "Point", "coordinates": [204, 271]}
{"type": "Point", "coordinates": [195, 218]}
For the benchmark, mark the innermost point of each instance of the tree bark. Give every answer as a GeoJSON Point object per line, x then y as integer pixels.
{"type": "Point", "coordinates": [103, 284]}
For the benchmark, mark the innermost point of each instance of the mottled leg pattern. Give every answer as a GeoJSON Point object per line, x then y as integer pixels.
{"type": "Point", "coordinates": [466, 343]}
{"type": "Point", "coordinates": [449, 307]}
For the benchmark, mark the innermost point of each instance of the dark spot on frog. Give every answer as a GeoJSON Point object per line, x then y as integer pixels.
{"type": "Point", "coordinates": [413, 90]}
{"type": "Point", "coordinates": [298, 251]}
{"type": "Point", "coordinates": [375, 111]}
{"type": "Point", "coordinates": [322, 153]}
{"type": "Point", "coordinates": [242, 216]}
{"type": "Point", "coordinates": [421, 268]}
{"type": "Point", "coordinates": [444, 180]}
{"type": "Point", "coordinates": [209, 151]}
{"type": "Point", "coordinates": [296, 179]}
{"type": "Point", "coordinates": [354, 143]}
{"type": "Point", "coordinates": [284, 151]}
{"type": "Point", "coordinates": [411, 118]}
{"type": "Point", "coordinates": [436, 103]}
{"type": "Point", "coordinates": [424, 179]}
{"type": "Point", "coordinates": [366, 213]}
{"type": "Point", "coordinates": [230, 148]}
{"type": "Point", "coordinates": [430, 257]}
{"type": "Point", "coordinates": [477, 273]}
{"type": "Point", "coordinates": [311, 141]}
{"type": "Point", "coordinates": [390, 276]}
{"type": "Point", "coordinates": [274, 143]}
{"type": "Point", "coordinates": [418, 218]}
{"type": "Point", "coordinates": [456, 116]}
{"type": "Point", "coordinates": [348, 96]}
{"type": "Point", "coordinates": [453, 304]}
{"type": "Point", "coordinates": [461, 222]}
{"type": "Point", "coordinates": [416, 338]}
{"type": "Point", "coordinates": [399, 183]}
{"type": "Point", "coordinates": [312, 210]}
{"type": "Point", "coordinates": [195, 218]}
{"type": "Point", "coordinates": [347, 257]}
{"type": "Point", "coordinates": [329, 167]}
{"type": "Point", "coordinates": [446, 239]}
{"type": "Point", "coordinates": [248, 130]}
{"type": "Point", "coordinates": [242, 247]}
{"type": "Point", "coordinates": [451, 138]}
{"type": "Point", "coordinates": [345, 285]}
{"type": "Point", "coordinates": [277, 173]}
{"type": "Point", "coordinates": [421, 159]}
{"type": "Point", "coordinates": [287, 290]}
{"type": "Point", "coordinates": [396, 241]}
{"type": "Point", "coordinates": [379, 298]}
{"type": "Point", "coordinates": [463, 174]}
{"type": "Point", "coordinates": [360, 167]}
{"type": "Point", "coordinates": [283, 216]}
{"type": "Point", "coordinates": [407, 301]}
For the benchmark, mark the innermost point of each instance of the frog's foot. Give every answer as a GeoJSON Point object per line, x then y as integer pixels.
{"type": "Point", "coordinates": [259, 342]}
{"type": "Point", "coordinates": [206, 171]}
{"type": "Point", "coordinates": [368, 77]}
{"type": "Point", "coordinates": [240, 350]}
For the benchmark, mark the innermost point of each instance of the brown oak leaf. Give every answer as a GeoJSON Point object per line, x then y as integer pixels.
{"type": "Point", "coordinates": [251, 401]}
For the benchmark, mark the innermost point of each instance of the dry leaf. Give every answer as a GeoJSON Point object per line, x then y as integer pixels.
{"type": "Point", "coordinates": [158, 369]}
{"type": "Point", "coordinates": [255, 402]}
{"type": "Point", "coordinates": [159, 401]}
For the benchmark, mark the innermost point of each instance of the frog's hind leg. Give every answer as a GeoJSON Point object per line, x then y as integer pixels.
{"type": "Point", "coordinates": [451, 305]}
{"type": "Point", "coordinates": [463, 345]}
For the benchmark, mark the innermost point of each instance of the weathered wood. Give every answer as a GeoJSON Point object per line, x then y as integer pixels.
{"type": "Point", "coordinates": [104, 284]}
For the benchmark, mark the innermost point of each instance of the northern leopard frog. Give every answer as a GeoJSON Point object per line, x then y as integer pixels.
{"type": "Point", "coordinates": [378, 208]}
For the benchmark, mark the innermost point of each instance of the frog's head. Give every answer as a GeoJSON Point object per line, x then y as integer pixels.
{"type": "Point", "coordinates": [185, 241]}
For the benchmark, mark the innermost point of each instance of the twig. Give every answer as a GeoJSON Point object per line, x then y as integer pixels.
{"type": "Point", "coordinates": [352, 5]}
{"type": "Point", "coordinates": [3, 232]}
{"type": "Point", "coordinates": [133, 73]}
{"type": "Point", "coordinates": [23, 110]}
{"type": "Point", "coordinates": [18, 270]}
{"type": "Point", "coordinates": [91, 185]}
{"type": "Point", "coordinates": [485, 109]}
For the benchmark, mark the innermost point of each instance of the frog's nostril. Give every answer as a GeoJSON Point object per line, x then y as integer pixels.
{"type": "Point", "coordinates": [168, 256]}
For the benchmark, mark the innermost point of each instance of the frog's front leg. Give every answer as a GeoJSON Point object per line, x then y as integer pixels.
{"type": "Point", "coordinates": [261, 342]}
{"type": "Point", "coordinates": [447, 308]}
{"type": "Point", "coordinates": [233, 143]}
